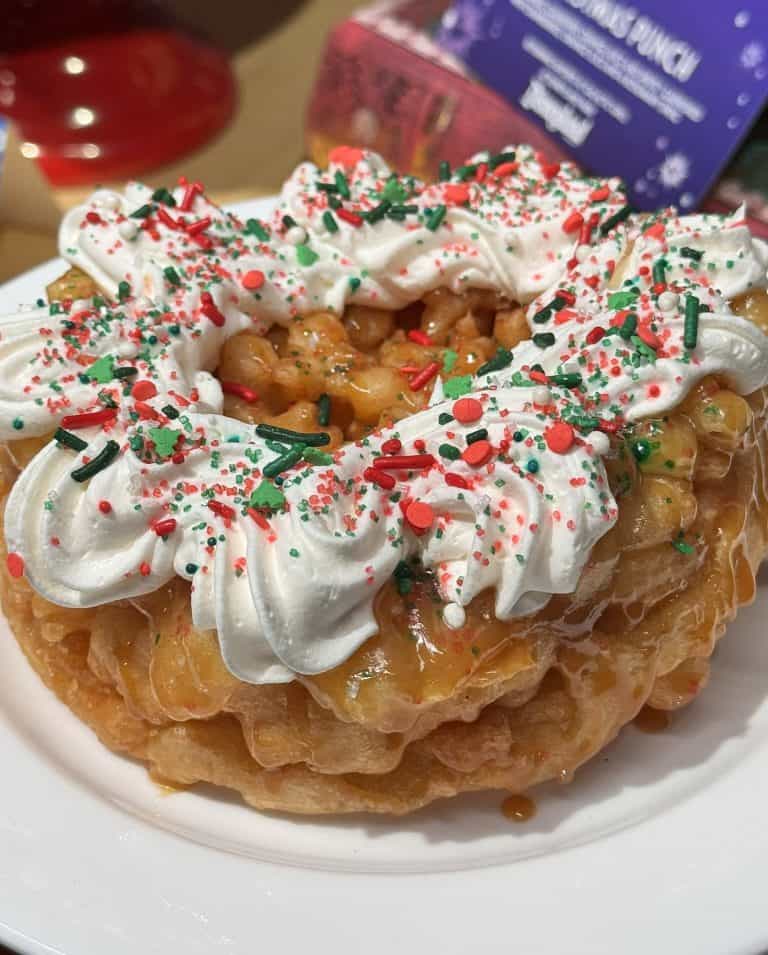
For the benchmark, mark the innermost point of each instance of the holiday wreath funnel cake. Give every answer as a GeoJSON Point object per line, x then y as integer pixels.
{"type": "Point", "coordinates": [409, 490]}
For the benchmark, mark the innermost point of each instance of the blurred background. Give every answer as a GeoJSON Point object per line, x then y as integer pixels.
{"type": "Point", "coordinates": [234, 95]}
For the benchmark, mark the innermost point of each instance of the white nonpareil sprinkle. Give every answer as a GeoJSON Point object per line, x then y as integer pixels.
{"type": "Point", "coordinates": [600, 442]}
{"type": "Point", "coordinates": [127, 350]}
{"type": "Point", "coordinates": [296, 235]}
{"type": "Point", "coordinates": [454, 616]}
{"type": "Point", "coordinates": [583, 252]}
{"type": "Point", "coordinates": [668, 301]}
{"type": "Point", "coordinates": [110, 201]}
{"type": "Point", "coordinates": [127, 229]}
{"type": "Point", "coordinates": [542, 395]}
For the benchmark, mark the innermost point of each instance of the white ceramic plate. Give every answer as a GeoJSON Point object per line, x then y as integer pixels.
{"type": "Point", "coordinates": [659, 846]}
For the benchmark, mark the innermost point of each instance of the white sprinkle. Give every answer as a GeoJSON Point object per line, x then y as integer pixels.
{"type": "Point", "coordinates": [127, 229]}
{"type": "Point", "coordinates": [583, 252]}
{"type": "Point", "coordinates": [668, 301]}
{"type": "Point", "coordinates": [542, 395]}
{"type": "Point", "coordinates": [600, 442]}
{"type": "Point", "coordinates": [454, 616]}
{"type": "Point", "coordinates": [127, 349]}
{"type": "Point", "coordinates": [110, 201]}
{"type": "Point", "coordinates": [296, 235]}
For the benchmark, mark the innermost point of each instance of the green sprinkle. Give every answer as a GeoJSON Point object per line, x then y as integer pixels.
{"type": "Point", "coordinates": [450, 357]}
{"type": "Point", "coordinates": [306, 256]}
{"type": "Point", "coordinates": [102, 370]}
{"type": "Point", "coordinates": [688, 253]}
{"type": "Point", "coordinates": [449, 451]}
{"type": "Point", "coordinates": [444, 173]}
{"type": "Point", "coordinates": [378, 212]}
{"type": "Point", "coordinates": [502, 359]}
{"type": "Point", "coordinates": [544, 339]}
{"type": "Point", "coordinates": [659, 272]}
{"type": "Point", "coordinates": [543, 315]}
{"type": "Point", "coordinates": [532, 466]}
{"type": "Point", "coordinates": [142, 212]}
{"type": "Point", "coordinates": [317, 457]}
{"type": "Point", "coordinates": [394, 190]}
{"type": "Point", "coordinates": [456, 387]}
{"type": "Point", "coordinates": [68, 440]}
{"type": "Point", "coordinates": [435, 218]}
{"type": "Point", "coordinates": [691, 322]}
{"type": "Point", "coordinates": [324, 410]}
{"type": "Point", "coordinates": [163, 195]}
{"type": "Point", "coordinates": [617, 300]}
{"type": "Point", "coordinates": [499, 159]}
{"type": "Point", "coordinates": [123, 291]}
{"type": "Point", "coordinates": [170, 412]}
{"type": "Point", "coordinates": [102, 460]}
{"type": "Point", "coordinates": [464, 172]}
{"type": "Point", "coordinates": [288, 222]}
{"type": "Point", "coordinates": [629, 327]}
{"type": "Point", "coordinates": [18, 424]}
{"type": "Point", "coordinates": [682, 546]}
{"type": "Point", "coordinates": [267, 496]}
{"type": "Point", "coordinates": [618, 217]}
{"type": "Point", "coordinates": [126, 371]}
{"type": "Point", "coordinates": [270, 431]}
{"type": "Point", "coordinates": [164, 440]}
{"type": "Point", "coordinates": [285, 461]}
{"type": "Point", "coordinates": [171, 275]}
{"type": "Point", "coordinates": [642, 450]}
{"type": "Point", "coordinates": [329, 221]}
{"type": "Point", "coordinates": [329, 187]}
{"type": "Point", "coordinates": [644, 349]}
{"type": "Point", "coordinates": [355, 283]}
{"type": "Point", "coordinates": [566, 380]}
{"type": "Point", "coordinates": [341, 184]}
{"type": "Point", "coordinates": [480, 435]}
{"type": "Point", "coordinates": [191, 569]}
{"type": "Point", "coordinates": [254, 227]}
{"type": "Point", "coordinates": [444, 418]}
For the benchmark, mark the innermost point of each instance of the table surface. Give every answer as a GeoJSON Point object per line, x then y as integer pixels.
{"type": "Point", "coordinates": [253, 156]}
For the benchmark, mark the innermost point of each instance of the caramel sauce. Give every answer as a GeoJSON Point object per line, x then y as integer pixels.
{"type": "Point", "coordinates": [649, 720]}
{"type": "Point", "coordinates": [518, 808]}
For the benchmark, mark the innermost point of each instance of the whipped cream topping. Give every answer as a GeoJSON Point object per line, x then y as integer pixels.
{"type": "Point", "coordinates": [499, 484]}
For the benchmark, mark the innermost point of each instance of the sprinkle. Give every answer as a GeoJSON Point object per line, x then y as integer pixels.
{"type": "Point", "coordinates": [209, 308]}
{"type": "Point", "coordinates": [454, 616]}
{"type": "Point", "coordinates": [480, 435]}
{"type": "Point", "coordinates": [595, 335]}
{"type": "Point", "coordinates": [682, 546]}
{"type": "Point", "coordinates": [421, 338]}
{"type": "Point", "coordinates": [424, 376]}
{"type": "Point", "coordinates": [456, 193]}
{"type": "Point", "coordinates": [566, 380]}
{"type": "Point", "coordinates": [142, 390]}
{"type": "Point", "coordinates": [15, 564]}
{"type": "Point", "coordinates": [688, 253]}
{"type": "Point", "coordinates": [221, 510]}
{"type": "Point", "coordinates": [455, 480]}
{"type": "Point", "coordinates": [254, 227]}
{"type": "Point", "coordinates": [532, 467]}
{"type": "Point", "coordinates": [142, 212]}
{"type": "Point", "coordinates": [329, 221]}
{"type": "Point", "coordinates": [237, 390]}
{"type": "Point", "coordinates": [123, 291]}
{"type": "Point", "coordinates": [127, 371]}
{"type": "Point", "coordinates": [616, 219]}
{"type": "Point", "coordinates": [378, 212]}
{"type": "Point", "coordinates": [145, 569]}
{"type": "Point", "coordinates": [171, 275]}
{"type": "Point", "coordinates": [544, 339]}
{"type": "Point", "coordinates": [420, 516]}
{"type": "Point", "coordinates": [502, 359]}
{"type": "Point", "coordinates": [477, 454]}
{"type": "Point", "coordinates": [165, 527]}
{"type": "Point", "coordinates": [500, 159]}
{"type": "Point", "coordinates": [68, 440]}
{"type": "Point", "coordinates": [629, 326]}
{"type": "Point", "coordinates": [392, 446]}
{"type": "Point", "coordinates": [267, 497]}
{"type": "Point", "coordinates": [314, 456]}
{"type": "Point", "coordinates": [449, 452]}
{"type": "Point", "coordinates": [467, 410]}
{"type": "Point", "coordinates": [284, 461]}
{"type": "Point", "coordinates": [197, 228]}
{"type": "Point", "coordinates": [253, 280]}
{"type": "Point", "coordinates": [560, 437]}
{"type": "Point", "coordinates": [659, 272]}
{"type": "Point", "coordinates": [324, 410]}
{"type": "Point", "coordinates": [274, 433]}
{"type": "Point", "coordinates": [102, 460]}
{"type": "Point", "coordinates": [105, 507]}
{"type": "Point", "coordinates": [642, 450]}
{"type": "Point", "coordinates": [435, 218]}
{"type": "Point", "coordinates": [456, 387]}
{"type": "Point", "coordinates": [573, 223]}
{"type": "Point", "coordinates": [164, 440]}
{"type": "Point", "coordinates": [667, 301]}
{"type": "Point", "coordinates": [379, 478]}
{"type": "Point", "coordinates": [403, 578]}
{"type": "Point", "coordinates": [102, 370]}
{"type": "Point", "coordinates": [405, 462]}
{"type": "Point", "coordinates": [170, 412]}
{"type": "Point", "coordinates": [351, 217]}
{"type": "Point", "coordinates": [306, 256]}
{"type": "Point", "coordinates": [191, 569]}
{"type": "Point", "coordinates": [444, 173]}
{"type": "Point", "coordinates": [619, 300]}
{"type": "Point", "coordinates": [691, 323]}
{"type": "Point", "coordinates": [88, 420]}
{"type": "Point", "coordinates": [600, 194]}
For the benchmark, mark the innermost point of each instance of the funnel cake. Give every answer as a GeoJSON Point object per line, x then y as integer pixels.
{"type": "Point", "coordinates": [411, 490]}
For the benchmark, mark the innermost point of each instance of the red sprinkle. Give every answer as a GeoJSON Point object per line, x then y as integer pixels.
{"type": "Point", "coordinates": [539, 377]}
{"type": "Point", "coordinates": [656, 231]}
{"type": "Point", "coordinates": [239, 391]}
{"type": "Point", "coordinates": [105, 507]}
{"type": "Point", "coordinates": [405, 462]}
{"type": "Point", "coordinates": [259, 519]}
{"type": "Point", "coordinates": [223, 510]}
{"type": "Point", "coordinates": [192, 189]}
{"type": "Point", "coordinates": [560, 437]}
{"type": "Point", "coordinates": [455, 480]}
{"type": "Point", "coordinates": [568, 297]}
{"type": "Point", "coordinates": [210, 310]}
{"type": "Point", "coordinates": [645, 334]}
{"type": "Point", "coordinates": [15, 565]}
{"type": "Point", "coordinates": [467, 410]}
{"type": "Point", "coordinates": [143, 389]}
{"type": "Point", "coordinates": [477, 454]}
{"type": "Point", "coordinates": [420, 516]}
{"type": "Point", "coordinates": [609, 427]}
{"type": "Point", "coordinates": [379, 478]}
{"type": "Point", "coordinates": [351, 217]}
{"type": "Point", "coordinates": [72, 422]}
{"type": "Point", "coordinates": [168, 221]}
{"type": "Point", "coordinates": [421, 338]}
{"type": "Point", "coordinates": [93, 217]}
{"type": "Point", "coordinates": [573, 223]}
{"type": "Point", "coordinates": [456, 193]}
{"type": "Point", "coordinates": [253, 280]}
{"type": "Point", "coordinates": [550, 170]}
{"type": "Point", "coordinates": [195, 228]}
{"type": "Point", "coordinates": [144, 569]}
{"type": "Point", "coordinates": [599, 194]}
{"type": "Point", "coordinates": [505, 169]}
{"type": "Point", "coordinates": [392, 446]}
{"type": "Point", "coordinates": [424, 376]}
{"type": "Point", "coordinates": [595, 335]}
{"type": "Point", "coordinates": [165, 527]}
{"type": "Point", "coordinates": [347, 156]}
{"type": "Point", "coordinates": [145, 411]}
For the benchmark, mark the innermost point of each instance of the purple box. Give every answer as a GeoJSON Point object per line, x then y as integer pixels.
{"type": "Point", "coordinates": [660, 92]}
